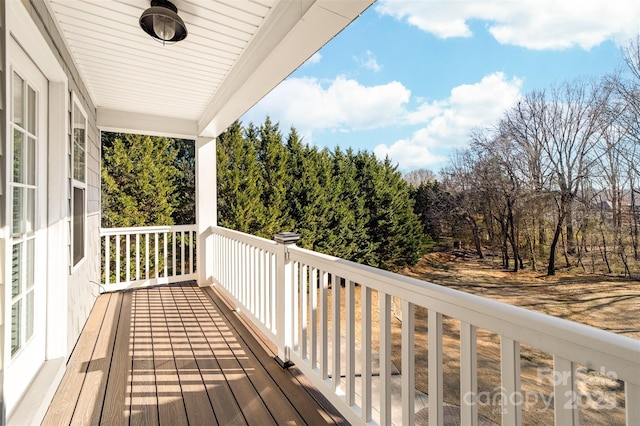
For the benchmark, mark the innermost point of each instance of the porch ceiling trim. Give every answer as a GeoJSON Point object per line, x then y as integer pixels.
{"type": "Point", "coordinates": [147, 124]}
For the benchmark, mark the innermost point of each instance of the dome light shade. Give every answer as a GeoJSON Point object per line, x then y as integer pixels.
{"type": "Point", "coordinates": [161, 21]}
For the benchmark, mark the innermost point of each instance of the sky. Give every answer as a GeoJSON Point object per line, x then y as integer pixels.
{"type": "Point", "coordinates": [411, 79]}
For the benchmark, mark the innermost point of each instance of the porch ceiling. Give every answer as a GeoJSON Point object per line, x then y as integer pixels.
{"type": "Point", "coordinates": [236, 51]}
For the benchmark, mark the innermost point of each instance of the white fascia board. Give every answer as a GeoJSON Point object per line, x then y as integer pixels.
{"type": "Point", "coordinates": [292, 35]}
{"type": "Point", "coordinates": [26, 33]}
{"type": "Point", "coordinates": [109, 120]}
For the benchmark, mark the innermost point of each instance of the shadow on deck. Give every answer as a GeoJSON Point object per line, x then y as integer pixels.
{"type": "Point", "coordinates": [178, 355]}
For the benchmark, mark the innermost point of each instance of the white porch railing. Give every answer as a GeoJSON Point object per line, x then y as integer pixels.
{"type": "Point", "coordinates": [143, 256]}
{"type": "Point", "coordinates": [285, 291]}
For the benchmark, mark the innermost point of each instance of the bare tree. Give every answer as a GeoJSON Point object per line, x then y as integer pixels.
{"type": "Point", "coordinates": [459, 178]}
{"type": "Point", "coordinates": [631, 57]}
{"type": "Point", "coordinates": [500, 181]}
{"type": "Point", "coordinates": [417, 177]}
{"type": "Point", "coordinates": [524, 124]}
{"type": "Point", "coordinates": [558, 129]}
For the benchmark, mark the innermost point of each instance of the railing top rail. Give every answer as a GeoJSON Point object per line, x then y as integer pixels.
{"type": "Point", "coordinates": [146, 229]}
{"type": "Point", "coordinates": [574, 341]}
{"type": "Point", "coordinates": [259, 242]}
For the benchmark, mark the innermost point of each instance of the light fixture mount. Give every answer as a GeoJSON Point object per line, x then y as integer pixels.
{"type": "Point", "coordinates": [161, 21]}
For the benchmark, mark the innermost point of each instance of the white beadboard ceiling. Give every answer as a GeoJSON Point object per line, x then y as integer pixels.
{"type": "Point", "coordinates": [236, 51]}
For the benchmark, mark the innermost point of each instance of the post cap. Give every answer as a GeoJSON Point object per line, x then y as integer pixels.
{"type": "Point", "coordinates": [286, 237]}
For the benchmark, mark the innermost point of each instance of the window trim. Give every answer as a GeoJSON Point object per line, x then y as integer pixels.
{"type": "Point", "coordinates": [75, 103]}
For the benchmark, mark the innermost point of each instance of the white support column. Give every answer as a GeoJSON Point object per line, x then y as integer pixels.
{"type": "Point", "coordinates": [206, 206]}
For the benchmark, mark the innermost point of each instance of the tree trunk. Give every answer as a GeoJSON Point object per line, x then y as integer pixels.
{"type": "Point", "coordinates": [623, 258]}
{"type": "Point", "coordinates": [565, 251]}
{"type": "Point", "coordinates": [571, 243]}
{"type": "Point", "coordinates": [532, 251]}
{"type": "Point", "coordinates": [475, 231]}
{"type": "Point", "coordinates": [542, 236]}
{"type": "Point", "coordinates": [551, 268]}
{"type": "Point", "coordinates": [634, 222]}
{"type": "Point", "coordinates": [605, 256]}
{"type": "Point", "coordinates": [505, 256]}
{"type": "Point", "coordinates": [512, 238]}
{"type": "Point", "coordinates": [582, 246]}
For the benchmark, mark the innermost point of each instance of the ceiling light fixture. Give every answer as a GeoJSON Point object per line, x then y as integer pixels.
{"type": "Point", "coordinates": [161, 21]}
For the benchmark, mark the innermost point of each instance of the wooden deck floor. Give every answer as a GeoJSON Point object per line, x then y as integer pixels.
{"type": "Point", "coordinates": [177, 355]}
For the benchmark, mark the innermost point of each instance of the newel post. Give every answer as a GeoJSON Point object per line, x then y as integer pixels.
{"type": "Point", "coordinates": [284, 297]}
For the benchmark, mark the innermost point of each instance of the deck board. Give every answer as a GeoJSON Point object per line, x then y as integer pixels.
{"type": "Point", "coordinates": [64, 404]}
{"type": "Point", "coordinates": [95, 383]}
{"type": "Point", "coordinates": [144, 396]}
{"type": "Point", "coordinates": [227, 354]}
{"type": "Point", "coordinates": [171, 409]}
{"type": "Point", "coordinates": [176, 355]}
{"type": "Point", "coordinates": [116, 408]}
{"type": "Point", "coordinates": [196, 399]}
{"type": "Point", "coordinates": [281, 409]}
{"type": "Point", "coordinates": [306, 406]}
{"type": "Point", "coordinates": [224, 404]}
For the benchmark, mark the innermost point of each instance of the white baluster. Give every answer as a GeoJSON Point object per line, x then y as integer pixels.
{"type": "Point", "coordinates": [510, 374]}
{"type": "Point", "coordinates": [468, 374]}
{"type": "Point", "coordinates": [107, 259]}
{"type": "Point", "coordinates": [366, 352]}
{"type": "Point", "coordinates": [350, 342]}
{"type": "Point", "coordinates": [117, 259]}
{"type": "Point", "coordinates": [565, 397]}
{"type": "Point", "coordinates": [436, 414]}
{"type": "Point", "coordinates": [335, 323]}
{"type": "Point", "coordinates": [127, 258]}
{"type": "Point", "coordinates": [408, 363]}
{"type": "Point", "coordinates": [384, 304]}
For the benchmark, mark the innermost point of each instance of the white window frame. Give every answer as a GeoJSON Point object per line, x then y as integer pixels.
{"type": "Point", "coordinates": [75, 103]}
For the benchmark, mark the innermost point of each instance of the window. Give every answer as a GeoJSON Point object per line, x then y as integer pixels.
{"type": "Point", "coordinates": [79, 182]}
{"type": "Point", "coordinates": [23, 188]}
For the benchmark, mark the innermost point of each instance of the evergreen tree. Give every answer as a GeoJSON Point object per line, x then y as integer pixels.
{"type": "Point", "coordinates": [307, 196]}
{"type": "Point", "coordinates": [433, 206]}
{"type": "Point", "coordinates": [272, 157]}
{"type": "Point", "coordinates": [185, 211]}
{"type": "Point", "coordinates": [239, 182]}
{"type": "Point", "coordinates": [346, 204]}
{"type": "Point", "coordinates": [393, 228]}
{"type": "Point", "coordinates": [139, 176]}
{"type": "Point", "coordinates": [404, 240]}
{"type": "Point", "coordinates": [347, 229]}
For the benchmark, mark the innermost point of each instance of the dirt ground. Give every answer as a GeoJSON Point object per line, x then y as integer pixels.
{"type": "Point", "coordinates": [609, 303]}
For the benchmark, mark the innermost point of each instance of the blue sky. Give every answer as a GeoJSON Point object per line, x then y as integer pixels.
{"type": "Point", "coordinates": [411, 79]}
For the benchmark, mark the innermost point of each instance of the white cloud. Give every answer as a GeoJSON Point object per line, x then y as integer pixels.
{"type": "Point", "coordinates": [344, 105]}
{"type": "Point", "coordinates": [448, 123]}
{"type": "Point", "coordinates": [369, 62]}
{"type": "Point", "coordinates": [338, 105]}
{"type": "Point", "coordinates": [409, 155]}
{"type": "Point", "coordinates": [314, 59]}
{"type": "Point", "coordinates": [534, 24]}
